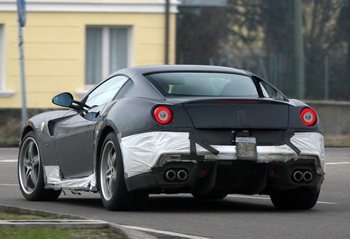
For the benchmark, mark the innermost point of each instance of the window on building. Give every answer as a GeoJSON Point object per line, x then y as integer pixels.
{"type": "Point", "coordinates": [106, 52]}
{"type": "Point", "coordinates": [2, 57]}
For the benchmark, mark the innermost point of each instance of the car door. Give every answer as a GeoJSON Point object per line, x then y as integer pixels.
{"type": "Point", "coordinates": [75, 135]}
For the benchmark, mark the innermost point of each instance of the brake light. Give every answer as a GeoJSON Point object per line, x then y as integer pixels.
{"type": "Point", "coordinates": [163, 115]}
{"type": "Point", "coordinates": [238, 101]}
{"type": "Point", "coordinates": [308, 116]}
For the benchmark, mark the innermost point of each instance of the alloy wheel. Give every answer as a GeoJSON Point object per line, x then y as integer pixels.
{"type": "Point", "coordinates": [29, 165]}
{"type": "Point", "coordinates": [108, 172]}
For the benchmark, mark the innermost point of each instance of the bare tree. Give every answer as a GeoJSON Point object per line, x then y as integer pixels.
{"type": "Point", "coordinates": [199, 34]}
{"type": "Point", "coordinates": [343, 28]}
{"type": "Point", "coordinates": [261, 28]}
{"type": "Point", "coordinates": [320, 40]}
{"type": "Point", "coordinates": [260, 34]}
{"type": "Point", "coordinates": [342, 67]}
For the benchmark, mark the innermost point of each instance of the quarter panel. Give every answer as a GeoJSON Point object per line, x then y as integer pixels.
{"type": "Point", "coordinates": [134, 115]}
{"type": "Point", "coordinates": [295, 120]}
{"type": "Point", "coordinates": [40, 125]}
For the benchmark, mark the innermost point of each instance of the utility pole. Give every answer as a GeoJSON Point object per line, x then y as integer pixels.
{"type": "Point", "coordinates": [21, 10]}
{"type": "Point", "coordinates": [299, 49]}
{"type": "Point", "coordinates": [167, 32]}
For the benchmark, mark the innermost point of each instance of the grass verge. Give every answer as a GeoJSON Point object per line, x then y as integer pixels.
{"type": "Point", "coordinates": [52, 233]}
{"type": "Point", "coordinates": [337, 141]}
{"type": "Point", "coordinates": [45, 233]}
{"type": "Point", "coordinates": [15, 216]}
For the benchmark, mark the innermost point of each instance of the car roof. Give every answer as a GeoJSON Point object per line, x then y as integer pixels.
{"type": "Point", "coordinates": [183, 68]}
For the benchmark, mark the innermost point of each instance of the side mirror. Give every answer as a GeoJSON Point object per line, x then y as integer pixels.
{"type": "Point", "coordinates": [63, 99]}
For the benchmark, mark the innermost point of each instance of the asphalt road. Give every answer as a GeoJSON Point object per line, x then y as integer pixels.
{"type": "Point", "coordinates": [237, 216]}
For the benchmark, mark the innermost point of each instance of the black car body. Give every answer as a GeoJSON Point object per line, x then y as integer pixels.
{"type": "Point", "coordinates": [205, 130]}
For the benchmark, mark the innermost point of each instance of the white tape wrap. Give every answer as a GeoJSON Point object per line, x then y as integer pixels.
{"type": "Point", "coordinates": [142, 151]}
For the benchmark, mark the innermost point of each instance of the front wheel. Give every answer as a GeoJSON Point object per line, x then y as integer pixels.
{"type": "Point", "coordinates": [112, 186]}
{"type": "Point", "coordinates": [298, 199]}
{"type": "Point", "coordinates": [30, 171]}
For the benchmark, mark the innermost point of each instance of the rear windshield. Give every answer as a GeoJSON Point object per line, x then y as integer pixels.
{"type": "Point", "coordinates": [203, 84]}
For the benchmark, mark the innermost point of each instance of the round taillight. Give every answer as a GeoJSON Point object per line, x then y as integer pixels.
{"type": "Point", "coordinates": [308, 116]}
{"type": "Point", "coordinates": [163, 115]}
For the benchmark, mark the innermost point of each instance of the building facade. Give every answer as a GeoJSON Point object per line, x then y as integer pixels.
{"type": "Point", "coordinates": [70, 45]}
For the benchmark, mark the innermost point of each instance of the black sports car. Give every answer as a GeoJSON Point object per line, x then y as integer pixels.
{"type": "Point", "coordinates": [204, 130]}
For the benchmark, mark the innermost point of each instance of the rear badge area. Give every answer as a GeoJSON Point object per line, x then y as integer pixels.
{"type": "Point", "coordinates": [246, 148]}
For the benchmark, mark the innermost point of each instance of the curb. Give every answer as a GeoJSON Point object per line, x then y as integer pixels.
{"type": "Point", "coordinates": [65, 221]}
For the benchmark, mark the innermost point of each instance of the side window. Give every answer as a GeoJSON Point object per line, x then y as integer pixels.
{"type": "Point", "coordinates": [127, 88]}
{"type": "Point", "coordinates": [270, 92]}
{"type": "Point", "coordinates": [106, 91]}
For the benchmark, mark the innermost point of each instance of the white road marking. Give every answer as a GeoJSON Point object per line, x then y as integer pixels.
{"type": "Point", "coordinates": [163, 232]}
{"type": "Point", "coordinates": [338, 163]}
{"type": "Point", "coordinates": [9, 185]}
{"type": "Point", "coordinates": [8, 160]}
{"type": "Point", "coordinates": [329, 203]}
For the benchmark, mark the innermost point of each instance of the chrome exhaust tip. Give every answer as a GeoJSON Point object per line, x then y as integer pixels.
{"type": "Point", "coordinates": [308, 176]}
{"type": "Point", "coordinates": [298, 176]}
{"type": "Point", "coordinates": [182, 175]}
{"type": "Point", "coordinates": [170, 175]}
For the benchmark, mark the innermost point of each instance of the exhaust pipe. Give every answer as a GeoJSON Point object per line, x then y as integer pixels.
{"type": "Point", "coordinates": [298, 176]}
{"type": "Point", "coordinates": [308, 176]}
{"type": "Point", "coordinates": [170, 175]}
{"type": "Point", "coordinates": [182, 175]}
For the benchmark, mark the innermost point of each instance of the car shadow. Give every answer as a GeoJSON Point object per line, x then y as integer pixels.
{"type": "Point", "coordinates": [185, 204]}
{"type": "Point", "coordinates": [189, 204]}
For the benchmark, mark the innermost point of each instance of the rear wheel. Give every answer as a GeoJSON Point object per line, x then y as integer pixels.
{"type": "Point", "coordinates": [31, 173]}
{"type": "Point", "coordinates": [301, 198]}
{"type": "Point", "coordinates": [113, 190]}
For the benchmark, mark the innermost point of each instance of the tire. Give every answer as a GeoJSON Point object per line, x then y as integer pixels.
{"type": "Point", "coordinates": [30, 172]}
{"type": "Point", "coordinates": [213, 195]}
{"type": "Point", "coordinates": [298, 199]}
{"type": "Point", "coordinates": [113, 191]}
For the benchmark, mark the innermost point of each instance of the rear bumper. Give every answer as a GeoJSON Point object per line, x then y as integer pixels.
{"type": "Point", "coordinates": [149, 156]}
{"type": "Point", "coordinates": [142, 152]}
{"type": "Point", "coordinates": [236, 176]}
